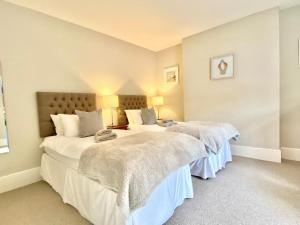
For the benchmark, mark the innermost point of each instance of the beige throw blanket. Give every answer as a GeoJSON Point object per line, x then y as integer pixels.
{"type": "Point", "coordinates": [134, 165]}
{"type": "Point", "coordinates": [212, 134]}
{"type": "Point", "coordinates": [227, 129]}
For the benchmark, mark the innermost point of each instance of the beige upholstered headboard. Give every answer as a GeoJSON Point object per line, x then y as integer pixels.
{"type": "Point", "coordinates": [57, 102]}
{"type": "Point", "coordinates": [129, 102]}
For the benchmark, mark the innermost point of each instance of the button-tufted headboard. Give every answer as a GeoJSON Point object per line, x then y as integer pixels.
{"type": "Point", "coordinates": [129, 102]}
{"type": "Point", "coordinates": [57, 102]}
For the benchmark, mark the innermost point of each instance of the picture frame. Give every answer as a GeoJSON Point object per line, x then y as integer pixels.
{"type": "Point", "coordinates": [171, 75]}
{"type": "Point", "coordinates": [222, 67]}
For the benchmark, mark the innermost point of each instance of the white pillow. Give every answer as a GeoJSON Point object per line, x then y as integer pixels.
{"type": "Point", "coordinates": [70, 125]}
{"type": "Point", "coordinates": [57, 124]}
{"type": "Point", "coordinates": [134, 116]}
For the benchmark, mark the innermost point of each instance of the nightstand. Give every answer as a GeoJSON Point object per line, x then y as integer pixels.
{"type": "Point", "coordinates": [120, 127]}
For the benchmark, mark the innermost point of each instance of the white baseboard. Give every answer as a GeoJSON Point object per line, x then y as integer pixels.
{"type": "Point", "coordinates": [291, 153]}
{"type": "Point", "coordinates": [19, 179]}
{"type": "Point", "coordinates": [273, 155]}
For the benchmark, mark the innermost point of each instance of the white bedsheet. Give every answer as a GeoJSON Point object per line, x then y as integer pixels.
{"type": "Point", "coordinates": [208, 167]}
{"type": "Point", "coordinates": [72, 147]}
{"type": "Point", "coordinates": [98, 204]}
{"type": "Point", "coordinates": [153, 127]}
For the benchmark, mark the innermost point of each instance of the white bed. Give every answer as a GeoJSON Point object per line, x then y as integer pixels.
{"type": "Point", "coordinates": [98, 204]}
{"type": "Point", "coordinates": [205, 167]}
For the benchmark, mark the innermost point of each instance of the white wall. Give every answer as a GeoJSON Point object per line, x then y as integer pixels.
{"type": "Point", "coordinates": [290, 77]}
{"type": "Point", "coordinates": [250, 101]}
{"type": "Point", "coordinates": [173, 94]}
{"type": "Point", "coordinates": [40, 53]}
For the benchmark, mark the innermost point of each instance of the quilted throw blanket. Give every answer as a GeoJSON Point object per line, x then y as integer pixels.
{"type": "Point", "coordinates": [134, 165]}
{"type": "Point", "coordinates": [212, 134]}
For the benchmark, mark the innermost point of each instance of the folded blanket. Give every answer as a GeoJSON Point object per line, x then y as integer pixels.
{"type": "Point", "coordinates": [103, 132]}
{"type": "Point", "coordinates": [213, 135]}
{"type": "Point", "coordinates": [105, 137]}
{"type": "Point", "coordinates": [166, 124]}
{"type": "Point", "coordinates": [134, 165]}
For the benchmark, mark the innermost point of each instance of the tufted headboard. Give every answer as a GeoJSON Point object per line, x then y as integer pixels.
{"type": "Point", "coordinates": [129, 102]}
{"type": "Point", "coordinates": [57, 102]}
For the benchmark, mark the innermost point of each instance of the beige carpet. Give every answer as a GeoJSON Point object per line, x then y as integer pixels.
{"type": "Point", "coordinates": [247, 192]}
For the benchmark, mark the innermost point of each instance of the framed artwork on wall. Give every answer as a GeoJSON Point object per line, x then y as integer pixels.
{"type": "Point", "coordinates": [222, 67]}
{"type": "Point", "coordinates": [171, 74]}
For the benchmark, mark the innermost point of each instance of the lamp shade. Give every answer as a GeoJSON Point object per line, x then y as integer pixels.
{"type": "Point", "coordinates": [110, 101]}
{"type": "Point", "coordinates": [157, 100]}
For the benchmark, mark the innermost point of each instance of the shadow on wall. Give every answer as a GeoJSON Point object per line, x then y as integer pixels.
{"type": "Point", "coordinates": [129, 87]}
{"type": "Point", "coordinates": [173, 105]}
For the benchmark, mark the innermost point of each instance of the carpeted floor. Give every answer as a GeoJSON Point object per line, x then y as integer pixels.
{"type": "Point", "coordinates": [247, 192]}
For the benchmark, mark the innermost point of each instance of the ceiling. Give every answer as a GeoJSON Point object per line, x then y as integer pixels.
{"type": "Point", "coordinates": [152, 24]}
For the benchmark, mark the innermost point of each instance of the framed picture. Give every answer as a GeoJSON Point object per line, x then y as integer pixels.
{"type": "Point", "coordinates": [222, 67]}
{"type": "Point", "coordinates": [171, 74]}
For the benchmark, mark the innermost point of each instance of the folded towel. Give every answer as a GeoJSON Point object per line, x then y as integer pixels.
{"type": "Point", "coordinates": [166, 124]}
{"type": "Point", "coordinates": [103, 132]}
{"type": "Point", "coordinates": [105, 137]}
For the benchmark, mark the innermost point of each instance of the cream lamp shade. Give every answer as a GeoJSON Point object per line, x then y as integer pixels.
{"type": "Point", "coordinates": [157, 100]}
{"type": "Point", "coordinates": [110, 101]}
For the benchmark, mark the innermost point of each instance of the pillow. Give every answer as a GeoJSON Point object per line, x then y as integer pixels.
{"type": "Point", "coordinates": [128, 115]}
{"type": "Point", "coordinates": [148, 116]}
{"type": "Point", "coordinates": [59, 129]}
{"type": "Point", "coordinates": [89, 122]}
{"type": "Point", "coordinates": [70, 125]}
{"type": "Point", "coordinates": [134, 116]}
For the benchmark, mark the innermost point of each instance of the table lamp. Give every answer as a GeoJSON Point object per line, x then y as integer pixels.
{"type": "Point", "coordinates": [111, 102]}
{"type": "Point", "coordinates": [157, 101]}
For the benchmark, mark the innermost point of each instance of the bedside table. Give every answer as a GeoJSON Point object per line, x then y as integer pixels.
{"type": "Point", "coordinates": [120, 127]}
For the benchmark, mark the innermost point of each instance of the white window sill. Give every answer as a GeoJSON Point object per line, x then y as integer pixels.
{"type": "Point", "coordinates": [4, 150]}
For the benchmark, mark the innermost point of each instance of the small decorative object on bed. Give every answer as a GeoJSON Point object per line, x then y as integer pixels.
{"type": "Point", "coordinates": [105, 135]}
{"type": "Point", "coordinates": [157, 101]}
{"type": "Point", "coordinates": [111, 102]}
{"type": "Point", "coordinates": [166, 123]}
{"type": "Point", "coordinates": [171, 74]}
{"type": "Point", "coordinates": [222, 67]}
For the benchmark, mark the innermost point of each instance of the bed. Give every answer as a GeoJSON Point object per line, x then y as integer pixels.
{"type": "Point", "coordinates": [95, 202]}
{"type": "Point", "coordinates": [204, 168]}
